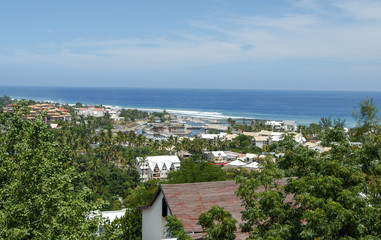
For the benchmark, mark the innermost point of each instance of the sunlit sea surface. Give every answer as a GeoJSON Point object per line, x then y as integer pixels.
{"type": "Point", "coordinates": [303, 106]}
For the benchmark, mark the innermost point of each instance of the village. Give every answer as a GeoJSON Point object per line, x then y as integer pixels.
{"type": "Point", "coordinates": [155, 150]}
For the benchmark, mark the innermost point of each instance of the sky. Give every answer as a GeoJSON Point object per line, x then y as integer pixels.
{"type": "Point", "coordinates": [220, 44]}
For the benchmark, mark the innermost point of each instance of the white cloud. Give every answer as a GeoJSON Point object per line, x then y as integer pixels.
{"type": "Point", "coordinates": [361, 9]}
{"type": "Point", "coordinates": [236, 39]}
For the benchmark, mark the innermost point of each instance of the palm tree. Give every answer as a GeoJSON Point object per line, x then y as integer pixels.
{"type": "Point", "coordinates": [367, 117]}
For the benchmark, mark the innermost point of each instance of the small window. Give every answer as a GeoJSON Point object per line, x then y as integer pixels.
{"type": "Point", "coordinates": [164, 208]}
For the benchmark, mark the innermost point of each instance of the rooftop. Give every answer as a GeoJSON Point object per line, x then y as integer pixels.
{"type": "Point", "coordinates": [187, 201]}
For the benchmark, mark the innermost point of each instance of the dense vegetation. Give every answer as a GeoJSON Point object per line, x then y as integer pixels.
{"type": "Point", "coordinates": [52, 178]}
{"type": "Point", "coordinates": [133, 114]}
{"type": "Point", "coordinates": [333, 195]}
{"type": "Point", "coordinates": [5, 100]}
{"type": "Point", "coordinates": [38, 199]}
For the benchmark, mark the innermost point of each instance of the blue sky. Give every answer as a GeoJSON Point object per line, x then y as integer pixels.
{"type": "Point", "coordinates": [289, 44]}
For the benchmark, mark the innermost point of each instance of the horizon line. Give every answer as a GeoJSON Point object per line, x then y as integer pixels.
{"type": "Point", "coordinates": [185, 88]}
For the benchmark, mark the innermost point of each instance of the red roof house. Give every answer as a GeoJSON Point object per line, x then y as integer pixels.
{"type": "Point", "coordinates": [187, 201]}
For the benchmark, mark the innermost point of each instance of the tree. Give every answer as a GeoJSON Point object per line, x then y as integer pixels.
{"type": "Point", "coordinates": [128, 227]}
{"type": "Point", "coordinates": [334, 195]}
{"type": "Point", "coordinates": [218, 224]}
{"type": "Point", "coordinates": [231, 122]}
{"type": "Point", "coordinates": [5, 100]}
{"type": "Point", "coordinates": [37, 195]}
{"type": "Point", "coordinates": [175, 228]}
{"type": "Point", "coordinates": [191, 172]}
{"type": "Point", "coordinates": [267, 215]}
{"type": "Point", "coordinates": [78, 105]}
{"type": "Point", "coordinates": [367, 118]}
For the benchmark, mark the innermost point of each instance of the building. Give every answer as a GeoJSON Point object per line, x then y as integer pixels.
{"type": "Point", "coordinates": [91, 111]}
{"type": "Point", "coordinates": [274, 124]}
{"type": "Point", "coordinates": [156, 167]}
{"type": "Point", "coordinates": [265, 137]}
{"type": "Point", "coordinates": [187, 201]}
{"type": "Point", "coordinates": [221, 136]}
{"type": "Point", "coordinates": [50, 112]}
{"type": "Point", "coordinates": [290, 125]}
{"type": "Point", "coordinates": [216, 156]}
{"type": "Point", "coordinates": [260, 141]}
{"type": "Point", "coordinates": [216, 127]}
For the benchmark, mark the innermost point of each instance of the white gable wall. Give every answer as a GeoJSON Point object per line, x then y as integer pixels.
{"type": "Point", "coordinates": [153, 222]}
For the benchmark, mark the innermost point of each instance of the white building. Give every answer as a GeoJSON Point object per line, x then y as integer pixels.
{"type": "Point", "coordinates": [187, 202]}
{"type": "Point", "coordinates": [107, 215]}
{"type": "Point", "coordinates": [275, 137]}
{"type": "Point", "coordinates": [274, 124]}
{"type": "Point", "coordinates": [290, 125]}
{"type": "Point", "coordinates": [157, 167]}
{"type": "Point", "coordinates": [221, 135]}
{"type": "Point", "coordinates": [260, 141]}
{"type": "Point", "coordinates": [216, 156]}
{"type": "Point", "coordinates": [90, 111]}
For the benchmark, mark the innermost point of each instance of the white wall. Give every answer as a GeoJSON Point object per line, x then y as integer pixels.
{"type": "Point", "coordinates": [153, 222]}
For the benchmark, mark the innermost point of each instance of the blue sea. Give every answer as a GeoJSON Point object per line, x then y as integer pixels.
{"type": "Point", "coordinates": [303, 106]}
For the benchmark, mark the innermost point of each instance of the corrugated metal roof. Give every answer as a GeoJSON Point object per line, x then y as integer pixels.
{"type": "Point", "coordinates": [187, 201]}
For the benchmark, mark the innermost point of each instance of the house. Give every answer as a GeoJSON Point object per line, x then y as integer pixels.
{"type": "Point", "coordinates": [252, 166]}
{"type": "Point", "coordinates": [274, 124]}
{"type": "Point", "coordinates": [216, 127]}
{"type": "Point", "coordinates": [316, 146]}
{"type": "Point", "coordinates": [115, 117]}
{"type": "Point", "coordinates": [156, 167]}
{"type": "Point", "coordinates": [260, 141]}
{"type": "Point", "coordinates": [275, 137]}
{"type": "Point", "coordinates": [221, 136]}
{"type": "Point", "coordinates": [231, 156]}
{"type": "Point", "coordinates": [90, 111]}
{"type": "Point", "coordinates": [51, 113]}
{"type": "Point", "coordinates": [235, 164]}
{"type": "Point", "coordinates": [290, 125]}
{"type": "Point", "coordinates": [187, 202]}
{"type": "Point", "coordinates": [216, 156]}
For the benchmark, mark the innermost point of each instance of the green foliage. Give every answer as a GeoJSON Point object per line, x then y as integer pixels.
{"type": "Point", "coordinates": [367, 118]}
{"type": "Point", "coordinates": [78, 105]}
{"type": "Point", "coordinates": [243, 140]}
{"type": "Point", "coordinates": [231, 122]}
{"type": "Point", "coordinates": [5, 100]}
{"type": "Point", "coordinates": [159, 115]}
{"type": "Point", "coordinates": [175, 228]}
{"type": "Point", "coordinates": [336, 194]}
{"type": "Point", "coordinates": [37, 195]}
{"type": "Point", "coordinates": [191, 172]}
{"type": "Point", "coordinates": [243, 127]}
{"type": "Point", "coordinates": [128, 227]}
{"type": "Point", "coordinates": [110, 182]}
{"type": "Point", "coordinates": [267, 216]}
{"type": "Point", "coordinates": [218, 224]}
{"type": "Point", "coordinates": [133, 114]}
{"type": "Point", "coordinates": [334, 136]}
{"type": "Point", "coordinates": [141, 195]}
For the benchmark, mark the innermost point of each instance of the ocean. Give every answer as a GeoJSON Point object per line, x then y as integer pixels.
{"type": "Point", "coordinates": [303, 106]}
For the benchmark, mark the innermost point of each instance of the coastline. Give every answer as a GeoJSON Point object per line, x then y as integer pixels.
{"type": "Point", "coordinates": [304, 107]}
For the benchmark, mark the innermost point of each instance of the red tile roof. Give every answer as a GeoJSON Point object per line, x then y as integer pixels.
{"type": "Point", "coordinates": [187, 201]}
{"type": "Point", "coordinates": [213, 163]}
